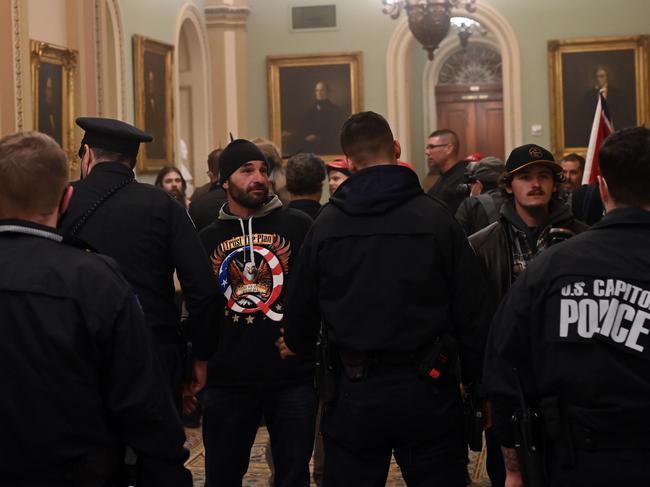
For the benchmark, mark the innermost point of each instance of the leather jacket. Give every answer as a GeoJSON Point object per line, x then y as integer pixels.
{"type": "Point", "coordinates": [493, 245]}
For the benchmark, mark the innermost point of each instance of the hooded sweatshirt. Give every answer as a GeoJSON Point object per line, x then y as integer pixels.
{"type": "Point", "coordinates": [387, 269]}
{"type": "Point", "coordinates": [251, 260]}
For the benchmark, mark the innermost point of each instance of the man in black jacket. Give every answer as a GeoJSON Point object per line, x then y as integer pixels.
{"type": "Point", "coordinates": [150, 235]}
{"type": "Point", "coordinates": [442, 153]}
{"type": "Point", "coordinates": [78, 372]}
{"type": "Point", "coordinates": [305, 176]}
{"type": "Point", "coordinates": [482, 206]}
{"type": "Point", "coordinates": [252, 246]}
{"type": "Point", "coordinates": [532, 219]}
{"type": "Point", "coordinates": [205, 206]}
{"type": "Point", "coordinates": [392, 276]}
{"type": "Point", "coordinates": [576, 327]}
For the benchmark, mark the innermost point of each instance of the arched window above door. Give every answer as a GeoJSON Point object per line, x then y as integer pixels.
{"type": "Point", "coordinates": [477, 64]}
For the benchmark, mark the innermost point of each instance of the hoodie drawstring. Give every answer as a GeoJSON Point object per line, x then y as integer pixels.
{"type": "Point", "coordinates": [250, 240]}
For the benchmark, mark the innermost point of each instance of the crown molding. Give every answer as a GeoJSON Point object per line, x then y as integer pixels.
{"type": "Point", "coordinates": [226, 15]}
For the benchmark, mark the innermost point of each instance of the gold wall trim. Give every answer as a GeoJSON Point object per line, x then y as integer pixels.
{"type": "Point", "coordinates": [18, 72]}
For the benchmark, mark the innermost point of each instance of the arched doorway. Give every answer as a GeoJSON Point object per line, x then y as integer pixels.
{"type": "Point", "coordinates": [193, 96]}
{"type": "Point", "coordinates": [398, 84]}
{"type": "Point", "coordinates": [469, 99]}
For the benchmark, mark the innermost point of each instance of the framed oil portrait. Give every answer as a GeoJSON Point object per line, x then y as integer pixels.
{"type": "Point", "coordinates": [52, 70]}
{"type": "Point", "coordinates": [309, 99]}
{"type": "Point", "coordinates": [152, 74]}
{"type": "Point", "coordinates": [581, 68]}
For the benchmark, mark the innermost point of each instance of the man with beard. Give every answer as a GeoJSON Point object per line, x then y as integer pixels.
{"type": "Point", "coordinates": [532, 218]}
{"type": "Point", "coordinates": [252, 245]}
{"type": "Point", "coordinates": [170, 180]}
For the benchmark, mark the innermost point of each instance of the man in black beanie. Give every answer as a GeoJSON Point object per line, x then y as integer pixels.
{"type": "Point", "coordinates": [252, 245]}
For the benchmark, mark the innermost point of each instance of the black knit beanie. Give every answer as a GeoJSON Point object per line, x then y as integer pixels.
{"type": "Point", "coordinates": [235, 155]}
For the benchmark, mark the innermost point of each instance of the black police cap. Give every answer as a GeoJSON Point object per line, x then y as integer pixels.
{"type": "Point", "coordinates": [112, 135]}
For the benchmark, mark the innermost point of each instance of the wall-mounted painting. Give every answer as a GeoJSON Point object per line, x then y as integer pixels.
{"type": "Point", "coordinates": [53, 92]}
{"type": "Point", "coordinates": [309, 99]}
{"type": "Point", "coordinates": [152, 74]}
{"type": "Point", "coordinates": [579, 69]}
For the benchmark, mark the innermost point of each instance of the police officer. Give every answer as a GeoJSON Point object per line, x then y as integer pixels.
{"type": "Point", "coordinates": [77, 369]}
{"type": "Point", "coordinates": [575, 326]}
{"type": "Point", "coordinates": [399, 289]}
{"type": "Point", "coordinates": [150, 235]}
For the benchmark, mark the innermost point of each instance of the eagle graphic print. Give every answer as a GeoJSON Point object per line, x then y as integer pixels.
{"type": "Point", "coordinates": [252, 277]}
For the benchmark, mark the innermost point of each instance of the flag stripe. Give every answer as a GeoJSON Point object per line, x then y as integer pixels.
{"type": "Point", "coordinates": [600, 129]}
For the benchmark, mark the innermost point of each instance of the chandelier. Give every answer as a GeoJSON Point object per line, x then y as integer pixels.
{"type": "Point", "coordinates": [428, 19]}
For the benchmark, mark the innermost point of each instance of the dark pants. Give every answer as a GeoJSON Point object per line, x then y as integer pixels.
{"type": "Point", "coordinates": [604, 468]}
{"type": "Point", "coordinates": [230, 421]}
{"type": "Point", "coordinates": [394, 411]}
{"type": "Point", "coordinates": [496, 469]}
{"type": "Point", "coordinates": [171, 358]}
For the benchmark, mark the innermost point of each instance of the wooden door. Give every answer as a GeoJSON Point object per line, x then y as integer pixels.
{"type": "Point", "coordinates": [475, 113]}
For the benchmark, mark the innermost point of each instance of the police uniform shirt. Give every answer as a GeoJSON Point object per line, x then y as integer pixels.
{"type": "Point", "coordinates": [76, 364]}
{"type": "Point", "coordinates": [577, 326]}
{"type": "Point", "coordinates": [150, 235]}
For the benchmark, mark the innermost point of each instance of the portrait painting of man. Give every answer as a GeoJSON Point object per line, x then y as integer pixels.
{"type": "Point", "coordinates": [580, 70]}
{"type": "Point", "coordinates": [155, 110]}
{"type": "Point", "coordinates": [50, 100]}
{"type": "Point", "coordinates": [311, 98]}
{"type": "Point", "coordinates": [153, 101]}
{"type": "Point", "coordinates": [586, 74]}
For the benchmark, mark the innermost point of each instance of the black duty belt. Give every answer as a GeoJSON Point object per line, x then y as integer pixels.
{"type": "Point", "coordinates": [378, 359]}
{"type": "Point", "coordinates": [589, 440]}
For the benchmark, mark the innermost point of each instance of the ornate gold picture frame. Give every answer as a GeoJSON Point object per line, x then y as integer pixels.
{"type": "Point", "coordinates": [152, 75]}
{"type": "Point", "coordinates": [52, 70]}
{"type": "Point", "coordinates": [309, 99]}
{"type": "Point", "coordinates": [579, 69]}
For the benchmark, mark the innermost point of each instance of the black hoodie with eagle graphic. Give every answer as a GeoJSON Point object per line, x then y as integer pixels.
{"type": "Point", "coordinates": [251, 261]}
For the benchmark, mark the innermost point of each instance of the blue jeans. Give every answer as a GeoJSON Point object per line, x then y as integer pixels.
{"type": "Point", "coordinates": [230, 420]}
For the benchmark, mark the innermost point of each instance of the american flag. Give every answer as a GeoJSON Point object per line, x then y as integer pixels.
{"type": "Point", "coordinates": [600, 129]}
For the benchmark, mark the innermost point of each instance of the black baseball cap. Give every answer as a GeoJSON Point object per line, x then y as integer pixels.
{"type": "Point", "coordinates": [112, 135]}
{"type": "Point", "coordinates": [529, 154]}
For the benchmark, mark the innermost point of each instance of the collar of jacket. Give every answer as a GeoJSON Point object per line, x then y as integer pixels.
{"type": "Point", "coordinates": [624, 216]}
{"type": "Point", "coordinates": [29, 228]}
{"type": "Point", "coordinates": [111, 167]}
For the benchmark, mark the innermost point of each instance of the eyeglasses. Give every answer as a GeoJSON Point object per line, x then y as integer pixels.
{"type": "Point", "coordinates": [433, 146]}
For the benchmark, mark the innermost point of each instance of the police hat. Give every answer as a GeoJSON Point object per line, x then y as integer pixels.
{"type": "Point", "coordinates": [529, 154]}
{"type": "Point", "coordinates": [111, 135]}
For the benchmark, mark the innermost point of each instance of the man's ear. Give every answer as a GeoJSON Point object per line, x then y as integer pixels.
{"type": "Point", "coordinates": [398, 149]}
{"type": "Point", "coordinates": [605, 197]}
{"type": "Point", "coordinates": [225, 185]}
{"type": "Point", "coordinates": [65, 200]}
{"type": "Point", "coordinates": [87, 161]}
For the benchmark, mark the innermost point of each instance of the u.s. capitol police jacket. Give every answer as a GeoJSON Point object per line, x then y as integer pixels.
{"type": "Point", "coordinates": [576, 325]}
